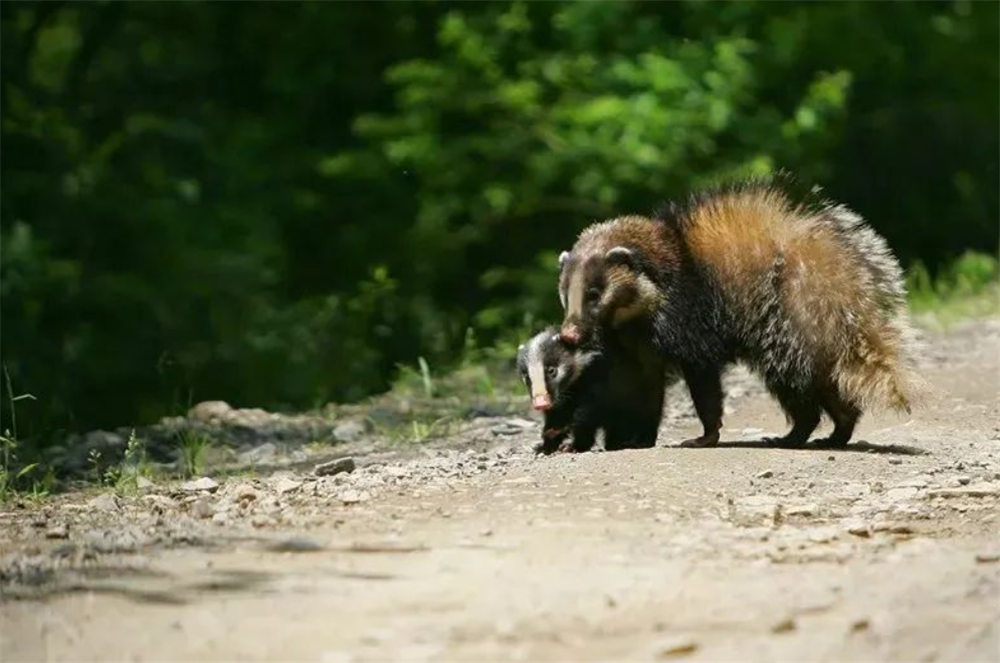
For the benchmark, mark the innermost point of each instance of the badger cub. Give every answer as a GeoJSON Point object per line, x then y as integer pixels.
{"type": "Point", "coordinates": [581, 391]}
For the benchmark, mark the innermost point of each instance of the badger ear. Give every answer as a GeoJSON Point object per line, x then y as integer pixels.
{"type": "Point", "coordinates": [620, 255]}
{"type": "Point", "coordinates": [585, 359]}
{"type": "Point", "coordinates": [563, 257]}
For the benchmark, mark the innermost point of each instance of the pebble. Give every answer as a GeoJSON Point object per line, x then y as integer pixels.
{"type": "Point", "coordinates": [209, 410]}
{"type": "Point", "coordinates": [803, 510]}
{"type": "Point", "coordinates": [823, 535]}
{"type": "Point", "coordinates": [57, 532]}
{"type": "Point", "coordinates": [350, 431]}
{"type": "Point", "coordinates": [671, 647]}
{"type": "Point", "coordinates": [265, 452]}
{"type": "Point", "coordinates": [354, 496]}
{"type": "Point", "coordinates": [979, 490]}
{"type": "Point", "coordinates": [203, 508]}
{"type": "Point", "coordinates": [784, 626]}
{"type": "Point", "coordinates": [287, 486]}
{"type": "Point", "coordinates": [245, 493]}
{"type": "Point", "coordinates": [106, 502]}
{"type": "Point", "coordinates": [858, 528]}
{"type": "Point", "coordinates": [766, 474]}
{"type": "Point", "coordinates": [895, 461]}
{"type": "Point", "coordinates": [987, 558]}
{"type": "Point", "coordinates": [506, 429]}
{"type": "Point", "coordinates": [203, 484]}
{"type": "Point", "coordinates": [336, 466]}
{"type": "Point", "coordinates": [161, 502]}
{"type": "Point", "coordinates": [901, 494]}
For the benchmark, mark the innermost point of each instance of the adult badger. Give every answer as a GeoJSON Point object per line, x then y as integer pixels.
{"type": "Point", "coordinates": [798, 288]}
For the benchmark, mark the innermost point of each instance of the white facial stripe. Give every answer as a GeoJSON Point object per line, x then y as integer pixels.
{"type": "Point", "coordinates": [576, 288]}
{"type": "Point", "coordinates": [536, 370]}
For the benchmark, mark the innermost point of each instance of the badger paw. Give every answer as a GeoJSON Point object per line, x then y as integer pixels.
{"type": "Point", "coordinates": [701, 442]}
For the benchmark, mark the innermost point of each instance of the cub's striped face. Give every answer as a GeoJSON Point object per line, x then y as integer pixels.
{"type": "Point", "coordinates": [598, 290]}
{"type": "Point", "coordinates": [549, 368]}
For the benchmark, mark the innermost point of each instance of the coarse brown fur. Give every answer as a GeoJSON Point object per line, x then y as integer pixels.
{"type": "Point", "coordinates": [798, 288]}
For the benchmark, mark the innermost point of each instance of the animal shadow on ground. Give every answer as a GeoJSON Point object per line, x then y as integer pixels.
{"type": "Point", "coordinates": [861, 446]}
{"type": "Point", "coordinates": [127, 583]}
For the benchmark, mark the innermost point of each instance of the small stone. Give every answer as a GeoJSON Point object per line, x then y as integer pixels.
{"type": "Point", "coordinates": [397, 471]}
{"type": "Point", "coordinates": [895, 461]}
{"type": "Point", "coordinates": [220, 518]}
{"type": "Point", "coordinates": [203, 508]}
{"type": "Point", "coordinates": [105, 502]}
{"type": "Point", "coordinates": [337, 656]}
{"type": "Point", "coordinates": [209, 410]}
{"type": "Point", "coordinates": [823, 535]}
{"type": "Point", "coordinates": [988, 557]}
{"type": "Point", "coordinates": [160, 502]}
{"type": "Point", "coordinates": [831, 458]}
{"type": "Point", "coordinates": [295, 545]}
{"type": "Point", "coordinates": [245, 493]}
{"type": "Point", "coordinates": [979, 490]}
{"type": "Point", "coordinates": [675, 646]}
{"type": "Point", "coordinates": [803, 510]}
{"type": "Point", "coordinates": [486, 532]}
{"type": "Point", "coordinates": [287, 486]}
{"type": "Point", "coordinates": [859, 625]}
{"type": "Point", "coordinates": [901, 494]}
{"type": "Point", "coordinates": [57, 532]}
{"type": "Point", "coordinates": [901, 529]}
{"type": "Point", "coordinates": [351, 430]}
{"type": "Point", "coordinates": [261, 454]}
{"type": "Point", "coordinates": [784, 626]}
{"type": "Point", "coordinates": [858, 528]}
{"type": "Point", "coordinates": [354, 496]}
{"type": "Point", "coordinates": [203, 484]}
{"type": "Point", "coordinates": [262, 520]}
{"type": "Point", "coordinates": [766, 474]}
{"type": "Point", "coordinates": [335, 467]}
{"type": "Point", "coordinates": [963, 480]}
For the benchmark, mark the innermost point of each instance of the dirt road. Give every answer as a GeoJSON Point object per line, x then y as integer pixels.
{"type": "Point", "coordinates": [887, 550]}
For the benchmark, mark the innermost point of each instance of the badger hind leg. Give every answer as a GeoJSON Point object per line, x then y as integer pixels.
{"type": "Point", "coordinates": [845, 416]}
{"type": "Point", "coordinates": [802, 409]}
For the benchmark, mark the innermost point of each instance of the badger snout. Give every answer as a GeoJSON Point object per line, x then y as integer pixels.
{"type": "Point", "coordinates": [541, 402]}
{"type": "Point", "coordinates": [570, 335]}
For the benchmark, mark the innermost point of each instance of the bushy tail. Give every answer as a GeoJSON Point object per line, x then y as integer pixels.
{"type": "Point", "coordinates": [877, 366]}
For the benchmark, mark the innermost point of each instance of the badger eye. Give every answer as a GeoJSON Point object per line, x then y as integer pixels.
{"type": "Point", "coordinates": [551, 372]}
{"type": "Point", "coordinates": [594, 294]}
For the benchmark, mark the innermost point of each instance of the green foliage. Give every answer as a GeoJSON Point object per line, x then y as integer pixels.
{"type": "Point", "coordinates": [964, 288]}
{"type": "Point", "coordinates": [13, 473]}
{"type": "Point", "coordinates": [200, 205]}
{"type": "Point", "coordinates": [134, 465]}
{"type": "Point", "coordinates": [193, 449]}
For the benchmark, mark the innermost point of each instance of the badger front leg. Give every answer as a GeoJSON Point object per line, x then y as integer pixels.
{"type": "Point", "coordinates": [705, 385]}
